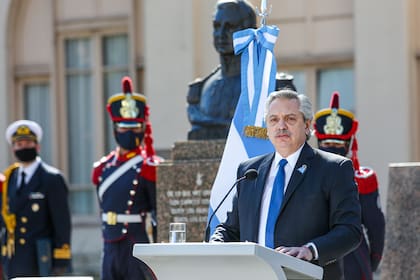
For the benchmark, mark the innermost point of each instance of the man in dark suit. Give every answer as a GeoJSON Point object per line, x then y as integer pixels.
{"type": "Point", "coordinates": [317, 217]}
{"type": "Point", "coordinates": [35, 211]}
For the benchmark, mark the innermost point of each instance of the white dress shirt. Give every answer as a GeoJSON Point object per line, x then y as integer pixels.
{"type": "Point", "coordinates": [29, 171]}
{"type": "Point", "coordinates": [268, 188]}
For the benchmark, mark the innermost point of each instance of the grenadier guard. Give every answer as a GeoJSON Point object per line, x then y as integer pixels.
{"type": "Point", "coordinates": [34, 209]}
{"type": "Point", "coordinates": [126, 186]}
{"type": "Point", "coordinates": [335, 129]}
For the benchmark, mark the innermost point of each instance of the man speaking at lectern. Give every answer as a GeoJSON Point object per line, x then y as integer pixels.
{"type": "Point", "coordinates": [304, 202]}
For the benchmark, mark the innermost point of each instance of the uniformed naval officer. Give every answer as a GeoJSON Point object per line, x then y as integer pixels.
{"type": "Point", "coordinates": [335, 129]}
{"type": "Point", "coordinates": [34, 209]}
{"type": "Point", "coordinates": [126, 186]}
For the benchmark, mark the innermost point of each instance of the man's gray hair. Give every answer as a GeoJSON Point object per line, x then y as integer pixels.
{"type": "Point", "coordinates": [305, 105]}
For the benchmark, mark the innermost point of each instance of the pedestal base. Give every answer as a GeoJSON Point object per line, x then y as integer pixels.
{"type": "Point", "coordinates": [184, 185]}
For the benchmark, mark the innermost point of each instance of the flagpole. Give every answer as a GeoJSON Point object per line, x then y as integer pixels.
{"type": "Point", "coordinates": [263, 13]}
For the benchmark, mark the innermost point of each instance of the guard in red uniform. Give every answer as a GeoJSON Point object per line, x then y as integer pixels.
{"type": "Point", "coordinates": [335, 129]}
{"type": "Point", "coordinates": [126, 186]}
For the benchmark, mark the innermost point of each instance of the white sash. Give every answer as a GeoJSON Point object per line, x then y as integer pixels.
{"type": "Point", "coordinates": [117, 174]}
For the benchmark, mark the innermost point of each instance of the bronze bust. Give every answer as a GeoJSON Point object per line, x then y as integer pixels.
{"type": "Point", "coordinates": [212, 100]}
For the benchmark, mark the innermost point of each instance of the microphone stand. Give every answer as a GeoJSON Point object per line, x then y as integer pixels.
{"type": "Point", "coordinates": [249, 174]}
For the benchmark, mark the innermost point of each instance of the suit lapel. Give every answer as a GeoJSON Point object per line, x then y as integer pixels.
{"type": "Point", "coordinates": [299, 172]}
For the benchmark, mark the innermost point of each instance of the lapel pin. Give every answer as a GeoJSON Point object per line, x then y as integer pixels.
{"type": "Point", "coordinates": [302, 169]}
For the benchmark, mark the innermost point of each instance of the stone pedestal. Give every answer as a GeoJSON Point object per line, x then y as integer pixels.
{"type": "Point", "coordinates": [402, 248]}
{"type": "Point", "coordinates": [184, 184]}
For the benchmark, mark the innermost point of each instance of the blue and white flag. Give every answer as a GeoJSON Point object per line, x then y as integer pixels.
{"type": "Point", "coordinates": [247, 135]}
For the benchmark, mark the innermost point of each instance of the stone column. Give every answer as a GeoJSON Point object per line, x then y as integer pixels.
{"type": "Point", "coordinates": [401, 259]}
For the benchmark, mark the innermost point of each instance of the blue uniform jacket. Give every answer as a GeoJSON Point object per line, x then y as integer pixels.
{"type": "Point", "coordinates": [41, 212]}
{"type": "Point", "coordinates": [132, 193]}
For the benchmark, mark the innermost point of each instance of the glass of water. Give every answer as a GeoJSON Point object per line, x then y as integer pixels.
{"type": "Point", "coordinates": [177, 232]}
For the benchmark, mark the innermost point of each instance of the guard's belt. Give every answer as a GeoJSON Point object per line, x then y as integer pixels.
{"type": "Point", "coordinates": [112, 218]}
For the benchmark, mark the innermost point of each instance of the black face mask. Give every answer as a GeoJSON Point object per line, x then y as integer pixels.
{"type": "Point", "coordinates": [338, 151]}
{"type": "Point", "coordinates": [129, 140]}
{"type": "Point", "coordinates": [26, 155]}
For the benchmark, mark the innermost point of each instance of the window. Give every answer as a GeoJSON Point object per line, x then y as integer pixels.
{"type": "Point", "coordinates": [299, 80]}
{"type": "Point", "coordinates": [341, 80]}
{"type": "Point", "coordinates": [115, 66]}
{"type": "Point", "coordinates": [80, 122]}
{"type": "Point", "coordinates": [84, 93]}
{"type": "Point", "coordinates": [37, 108]}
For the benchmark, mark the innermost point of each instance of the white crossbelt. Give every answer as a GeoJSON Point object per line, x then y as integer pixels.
{"type": "Point", "coordinates": [117, 174]}
{"type": "Point", "coordinates": [111, 218]}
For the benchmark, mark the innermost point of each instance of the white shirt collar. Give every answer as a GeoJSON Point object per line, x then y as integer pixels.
{"type": "Point", "coordinates": [291, 159]}
{"type": "Point", "coordinates": [30, 169]}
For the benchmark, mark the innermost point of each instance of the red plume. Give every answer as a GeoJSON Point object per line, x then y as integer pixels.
{"type": "Point", "coordinates": [127, 85]}
{"type": "Point", "coordinates": [334, 102]}
{"type": "Point", "coordinates": [354, 159]}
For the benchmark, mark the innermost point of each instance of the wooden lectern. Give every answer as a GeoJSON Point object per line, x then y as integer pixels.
{"type": "Point", "coordinates": [242, 260]}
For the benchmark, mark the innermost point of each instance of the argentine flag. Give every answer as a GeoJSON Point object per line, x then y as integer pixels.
{"type": "Point", "coordinates": [247, 134]}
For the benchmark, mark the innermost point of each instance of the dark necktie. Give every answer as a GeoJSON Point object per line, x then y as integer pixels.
{"type": "Point", "coordinates": [22, 181]}
{"type": "Point", "coordinates": [275, 204]}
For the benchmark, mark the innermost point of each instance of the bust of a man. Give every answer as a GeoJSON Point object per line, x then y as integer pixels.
{"type": "Point", "coordinates": [212, 100]}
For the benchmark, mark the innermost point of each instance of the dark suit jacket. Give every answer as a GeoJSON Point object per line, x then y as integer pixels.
{"type": "Point", "coordinates": [320, 206]}
{"type": "Point", "coordinates": [42, 212]}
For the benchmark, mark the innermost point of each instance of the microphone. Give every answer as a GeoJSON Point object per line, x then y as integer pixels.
{"type": "Point", "coordinates": [250, 174]}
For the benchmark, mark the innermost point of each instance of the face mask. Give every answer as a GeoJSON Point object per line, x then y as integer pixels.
{"type": "Point", "coordinates": [339, 151]}
{"type": "Point", "coordinates": [129, 140]}
{"type": "Point", "coordinates": [26, 155]}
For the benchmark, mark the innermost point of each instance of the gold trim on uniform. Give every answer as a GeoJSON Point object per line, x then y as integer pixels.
{"type": "Point", "coordinates": [62, 253]}
{"type": "Point", "coordinates": [22, 241]}
{"type": "Point", "coordinates": [255, 132]}
{"type": "Point", "coordinates": [9, 219]}
{"type": "Point", "coordinates": [23, 219]}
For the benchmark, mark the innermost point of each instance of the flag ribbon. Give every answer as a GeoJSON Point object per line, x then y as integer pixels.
{"type": "Point", "coordinates": [247, 134]}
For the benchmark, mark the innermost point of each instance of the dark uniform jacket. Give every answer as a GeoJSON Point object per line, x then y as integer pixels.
{"type": "Point", "coordinates": [360, 263]}
{"type": "Point", "coordinates": [320, 205]}
{"type": "Point", "coordinates": [131, 193]}
{"type": "Point", "coordinates": [39, 211]}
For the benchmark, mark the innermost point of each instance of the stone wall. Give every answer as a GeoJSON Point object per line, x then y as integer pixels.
{"type": "Point", "coordinates": [402, 249]}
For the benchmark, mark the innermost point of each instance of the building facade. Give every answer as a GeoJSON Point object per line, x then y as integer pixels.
{"type": "Point", "coordinates": [61, 60]}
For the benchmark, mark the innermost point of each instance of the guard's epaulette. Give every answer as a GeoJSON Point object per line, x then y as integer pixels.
{"type": "Point", "coordinates": [98, 167]}
{"type": "Point", "coordinates": [9, 219]}
{"type": "Point", "coordinates": [366, 179]}
{"type": "Point", "coordinates": [148, 170]}
{"type": "Point", "coordinates": [203, 80]}
{"type": "Point", "coordinates": [195, 88]}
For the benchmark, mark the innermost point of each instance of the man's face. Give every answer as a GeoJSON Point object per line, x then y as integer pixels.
{"type": "Point", "coordinates": [24, 144]}
{"type": "Point", "coordinates": [227, 20]}
{"type": "Point", "coordinates": [286, 127]}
